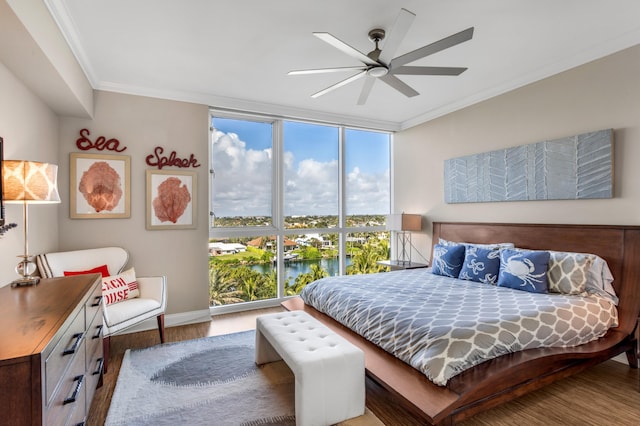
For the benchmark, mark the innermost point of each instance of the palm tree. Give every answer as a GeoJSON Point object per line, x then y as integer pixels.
{"type": "Point", "coordinates": [303, 279]}
{"type": "Point", "coordinates": [248, 281]}
{"type": "Point", "coordinates": [222, 286]}
{"type": "Point", "coordinates": [365, 262]}
{"type": "Point", "coordinates": [267, 286]}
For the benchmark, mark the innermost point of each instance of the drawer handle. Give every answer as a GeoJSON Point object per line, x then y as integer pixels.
{"type": "Point", "coordinates": [100, 365]}
{"type": "Point", "coordinates": [76, 391]}
{"type": "Point", "coordinates": [97, 302]}
{"type": "Point", "coordinates": [78, 337]}
{"type": "Point", "coordinates": [97, 335]}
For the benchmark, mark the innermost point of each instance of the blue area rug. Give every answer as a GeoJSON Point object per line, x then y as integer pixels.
{"type": "Point", "coordinates": [209, 381]}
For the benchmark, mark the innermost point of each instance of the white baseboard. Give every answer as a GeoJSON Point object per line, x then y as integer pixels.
{"type": "Point", "coordinates": [172, 320]}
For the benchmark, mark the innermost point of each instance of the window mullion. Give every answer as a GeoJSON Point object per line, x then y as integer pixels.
{"type": "Point", "coordinates": [278, 201]}
{"type": "Point", "coordinates": [342, 236]}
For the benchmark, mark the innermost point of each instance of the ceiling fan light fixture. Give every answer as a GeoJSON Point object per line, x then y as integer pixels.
{"type": "Point", "coordinates": [379, 64]}
{"type": "Point", "coordinates": [377, 71]}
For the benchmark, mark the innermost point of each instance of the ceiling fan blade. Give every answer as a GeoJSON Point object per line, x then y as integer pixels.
{"type": "Point", "coordinates": [325, 70]}
{"type": "Point", "coordinates": [407, 70]}
{"type": "Point", "coordinates": [344, 47]}
{"type": "Point", "coordinates": [366, 89]}
{"type": "Point", "coordinates": [339, 84]}
{"type": "Point", "coordinates": [432, 48]}
{"type": "Point", "coordinates": [396, 35]}
{"type": "Point", "coordinates": [399, 85]}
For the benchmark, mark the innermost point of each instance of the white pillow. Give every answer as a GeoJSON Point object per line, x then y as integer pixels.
{"type": "Point", "coordinates": [491, 246]}
{"type": "Point", "coordinates": [123, 286]}
{"type": "Point", "coordinates": [600, 279]}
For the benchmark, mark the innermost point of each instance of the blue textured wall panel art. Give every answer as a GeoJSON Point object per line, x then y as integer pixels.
{"type": "Point", "coordinates": [562, 169]}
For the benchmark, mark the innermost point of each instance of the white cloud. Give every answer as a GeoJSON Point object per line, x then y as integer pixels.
{"type": "Point", "coordinates": [242, 184]}
{"type": "Point", "coordinates": [312, 188]}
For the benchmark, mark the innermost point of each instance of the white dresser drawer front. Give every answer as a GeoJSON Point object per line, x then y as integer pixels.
{"type": "Point", "coordinates": [93, 338]}
{"type": "Point", "coordinates": [70, 398]}
{"type": "Point", "coordinates": [94, 305]}
{"type": "Point", "coordinates": [95, 359]}
{"type": "Point", "coordinates": [64, 351]}
{"type": "Point", "coordinates": [95, 363]}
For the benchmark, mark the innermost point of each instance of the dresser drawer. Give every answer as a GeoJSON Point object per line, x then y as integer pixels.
{"type": "Point", "coordinates": [93, 306]}
{"type": "Point", "coordinates": [95, 359]}
{"type": "Point", "coordinates": [70, 398]}
{"type": "Point", "coordinates": [93, 338]}
{"type": "Point", "coordinates": [58, 361]}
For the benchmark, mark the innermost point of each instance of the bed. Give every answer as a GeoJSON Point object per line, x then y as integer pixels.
{"type": "Point", "coordinates": [508, 376]}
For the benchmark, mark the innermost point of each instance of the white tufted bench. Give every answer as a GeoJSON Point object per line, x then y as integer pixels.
{"type": "Point", "coordinates": [328, 370]}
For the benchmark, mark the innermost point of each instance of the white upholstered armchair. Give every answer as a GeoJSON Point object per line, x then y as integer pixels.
{"type": "Point", "coordinates": [119, 316]}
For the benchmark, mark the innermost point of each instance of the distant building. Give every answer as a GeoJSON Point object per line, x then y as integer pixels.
{"type": "Point", "coordinates": [217, 248]}
{"type": "Point", "coordinates": [269, 243]}
{"type": "Point", "coordinates": [315, 240]}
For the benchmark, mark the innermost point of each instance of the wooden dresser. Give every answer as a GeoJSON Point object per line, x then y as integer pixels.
{"type": "Point", "coordinates": [50, 350]}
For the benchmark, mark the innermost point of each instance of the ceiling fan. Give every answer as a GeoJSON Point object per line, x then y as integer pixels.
{"type": "Point", "coordinates": [379, 64]}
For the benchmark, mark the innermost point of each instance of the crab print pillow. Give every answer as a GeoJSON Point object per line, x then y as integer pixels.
{"type": "Point", "coordinates": [524, 270]}
{"type": "Point", "coordinates": [447, 260]}
{"type": "Point", "coordinates": [481, 265]}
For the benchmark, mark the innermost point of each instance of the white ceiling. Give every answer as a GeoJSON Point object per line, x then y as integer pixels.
{"type": "Point", "coordinates": [236, 53]}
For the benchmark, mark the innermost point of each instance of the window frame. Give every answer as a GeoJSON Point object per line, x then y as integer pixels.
{"type": "Point", "coordinates": [277, 227]}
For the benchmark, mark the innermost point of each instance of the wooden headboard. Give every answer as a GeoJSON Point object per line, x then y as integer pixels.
{"type": "Point", "coordinates": [619, 245]}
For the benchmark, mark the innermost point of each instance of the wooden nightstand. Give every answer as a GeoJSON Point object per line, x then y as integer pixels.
{"type": "Point", "coordinates": [395, 265]}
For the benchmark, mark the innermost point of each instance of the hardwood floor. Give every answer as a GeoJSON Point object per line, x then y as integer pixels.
{"type": "Point", "coordinates": [607, 394]}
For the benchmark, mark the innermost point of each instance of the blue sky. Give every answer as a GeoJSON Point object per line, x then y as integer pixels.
{"type": "Point", "coordinates": [241, 157]}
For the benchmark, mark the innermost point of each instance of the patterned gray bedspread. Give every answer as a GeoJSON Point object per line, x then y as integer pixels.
{"type": "Point", "coordinates": [443, 326]}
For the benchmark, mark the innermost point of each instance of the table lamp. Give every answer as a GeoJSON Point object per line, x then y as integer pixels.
{"type": "Point", "coordinates": [28, 182]}
{"type": "Point", "coordinates": [403, 224]}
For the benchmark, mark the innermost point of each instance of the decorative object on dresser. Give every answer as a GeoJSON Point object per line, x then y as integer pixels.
{"type": "Point", "coordinates": [121, 311]}
{"type": "Point", "coordinates": [50, 352]}
{"type": "Point", "coordinates": [403, 224]}
{"type": "Point", "coordinates": [28, 182]}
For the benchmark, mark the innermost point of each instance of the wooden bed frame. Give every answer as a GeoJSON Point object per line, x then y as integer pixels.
{"type": "Point", "coordinates": [510, 376]}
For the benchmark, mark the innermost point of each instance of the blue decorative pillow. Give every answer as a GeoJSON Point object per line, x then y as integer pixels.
{"type": "Point", "coordinates": [447, 260]}
{"type": "Point", "coordinates": [524, 270]}
{"type": "Point", "coordinates": [481, 265]}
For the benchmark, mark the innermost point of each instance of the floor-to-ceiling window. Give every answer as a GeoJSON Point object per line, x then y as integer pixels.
{"type": "Point", "coordinates": [292, 202]}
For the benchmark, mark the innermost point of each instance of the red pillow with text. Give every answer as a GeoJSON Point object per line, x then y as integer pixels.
{"type": "Point", "coordinates": [120, 287]}
{"type": "Point", "coordinates": [102, 269]}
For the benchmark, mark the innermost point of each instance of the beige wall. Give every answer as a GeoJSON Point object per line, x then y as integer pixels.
{"type": "Point", "coordinates": [30, 132]}
{"type": "Point", "coordinates": [141, 124]}
{"type": "Point", "coordinates": [599, 95]}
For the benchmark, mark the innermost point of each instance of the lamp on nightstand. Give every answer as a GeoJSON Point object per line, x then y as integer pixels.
{"type": "Point", "coordinates": [28, 182]}
{"type": "Point", "coordinates": [403, 224]}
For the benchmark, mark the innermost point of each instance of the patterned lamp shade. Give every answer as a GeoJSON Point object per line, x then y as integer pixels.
{"type": "Point", "coordinates": [30, 182]}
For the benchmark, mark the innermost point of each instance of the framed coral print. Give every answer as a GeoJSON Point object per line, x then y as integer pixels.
{"type": "Point", "coordinates": [99, 186]}
{"type": "Point", "coordinates": [171, 199]}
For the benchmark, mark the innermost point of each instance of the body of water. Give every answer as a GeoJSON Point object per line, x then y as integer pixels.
{"type": "Point", "coordinates": [296, 267]}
